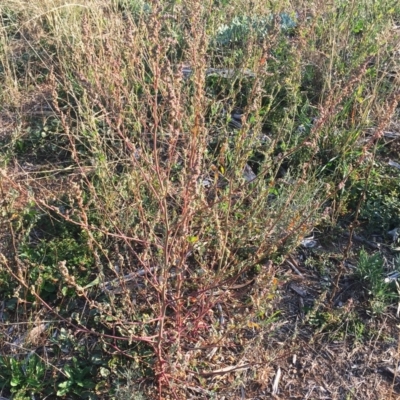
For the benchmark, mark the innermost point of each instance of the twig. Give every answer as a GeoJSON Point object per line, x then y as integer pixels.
{"type": "Point", "coordinates": [294, 268]}
{"type": "Point", "coordinates": [223, 371]}
{"type": "Point", "coordinates": [275, 385]}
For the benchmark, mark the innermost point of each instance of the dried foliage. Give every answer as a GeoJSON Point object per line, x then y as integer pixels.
{"type": "Point", "coordinates": [162, 165]}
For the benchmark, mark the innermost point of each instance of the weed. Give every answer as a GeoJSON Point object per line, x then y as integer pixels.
{"type": "Point", "coordinates": [370, 270]}
{"type": "Point", "coordinates": [200, 141]}
{"type": "Point", "coordinates": [127, 387]}
{"type": "Point", "coordinates": [380, 211]}
{"type": "Point", "coordinates": [78, 380]}
{"type": "Point", "coordinates": [24, 377]}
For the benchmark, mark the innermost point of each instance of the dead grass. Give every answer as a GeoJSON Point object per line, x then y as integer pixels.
{"type": "Point", "coordinates": [133, 240]}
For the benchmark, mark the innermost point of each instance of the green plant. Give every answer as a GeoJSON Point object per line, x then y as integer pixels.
{"type": "Point", "coordinates": [23, 378]}
{"type": "Point", "coordinates": [242, 27]}
{"type": "Point", "coordinates": [127, 387]}
{"type": "Point", "coordinates": [50, 239]}
{"type": "Point", "coordinates": [42, 142]}
{"type": "Point", "coordinates": [78, 380]}
{"type": "Point", "coordinates": [381, 208]}
{"type": "Point", "coordinates": [370, 270]}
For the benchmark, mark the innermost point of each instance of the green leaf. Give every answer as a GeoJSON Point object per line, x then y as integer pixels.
{"type": "Point", "coordinates": [192, 239]}
{"type": "Point", "coordinates": [49, 287]}
{"type": "Point", "coordinates": [68, 371]}
{"type": "Point", "coordinates": [15, 381]}
{"type": "Point", "coordinates": [104, 372]}
{"type": "Point", "coordinates": [93, 283]}
{"type": "Point", "coordinates": [64, 388]}
{"type": "Point", "coordinates": [97, 358]}
{"type": "Point", "coordinates": [88, 384]}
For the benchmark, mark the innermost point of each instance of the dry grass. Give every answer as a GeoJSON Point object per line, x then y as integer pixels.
{"type": "Point", "coordinates": [138, 258]}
